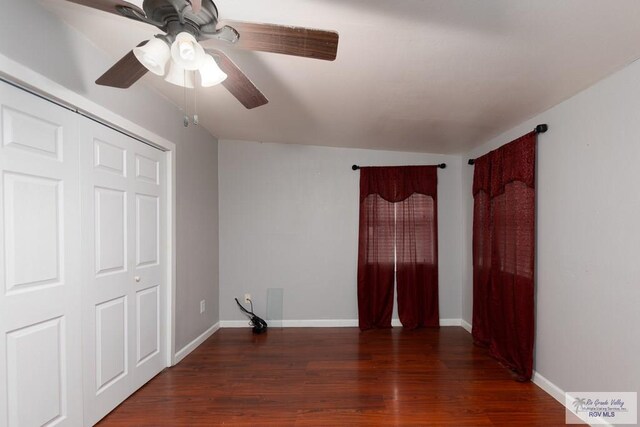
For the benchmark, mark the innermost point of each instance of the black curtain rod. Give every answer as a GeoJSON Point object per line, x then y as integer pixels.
{"type": "Point", "coordinates": [542, 128]}
{"type": "Point", "coordinates": [356, 167]}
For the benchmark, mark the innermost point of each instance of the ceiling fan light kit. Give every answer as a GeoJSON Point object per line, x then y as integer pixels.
{"type": "Point", "coordinates": [179, 76]}
{"type": "Point", "coordinates": [210, 72]}
{"type": "Point", "coordinates": [154, 55]}
{"type": "Point", "coordinates": [184, 57]}
{"type": "Point", "coordinates": [187, 52]}
{"type": "Point", "coordinates": [178, 53]}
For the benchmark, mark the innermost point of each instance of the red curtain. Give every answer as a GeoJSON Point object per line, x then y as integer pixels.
{"type": "Point", "coordinates": [503, 253]}
{"type": "Point", "coordinates": [398, 207]}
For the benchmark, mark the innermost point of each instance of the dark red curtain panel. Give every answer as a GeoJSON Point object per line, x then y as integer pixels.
{"type": "Point", "coordinates": [417, 261]}
{"type": "Point", "coordinates": [503, 253]}
{"type": "Point", "coordinates": [375, 261]}
{"type": "Point", "coordinates": [398, 207]}
{"type": "Point", "coordinates": [481, 252]}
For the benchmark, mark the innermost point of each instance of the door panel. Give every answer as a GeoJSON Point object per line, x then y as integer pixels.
{"type": "Point", "coordinates": [110, 230]}
{"type": "Point", "coordinates": [111, 342]}
{"type": "Point", "coordinates": [30, 132]}
{"type": "Point", "coordinates": [40, 348]}
{"type": "Point", "coordinates": [122, 218]}
{"type": "Point", "coordinates": [147, 170]}
{"type": "Point", "coordinates": [148, 326]}
{"type": "Point", "coordinates": [34, 378]}
{"type": "Point", "coordinates": [109, 157]}
{"type": "Point", "coordinates": [148, 262]}
{"type": "Point", "coordinates": [32, 207]}
{"type": "Point", "coordinates": [148, 230]}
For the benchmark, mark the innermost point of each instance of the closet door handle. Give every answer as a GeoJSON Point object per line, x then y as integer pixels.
{"type": "Point", "coordinates": [137, 279]}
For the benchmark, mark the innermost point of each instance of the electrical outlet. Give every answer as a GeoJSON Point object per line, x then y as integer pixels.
{"type": "Point", "coordinates": [202, 306]}
{"type": "Point", "coordinates": [247, 297]}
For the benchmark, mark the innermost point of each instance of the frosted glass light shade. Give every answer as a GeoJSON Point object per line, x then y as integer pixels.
{"type": "Point", "coordinates": [179, 76]}
{"type": "Point", "coordinates": [187, 52]}
{"type": "Point", "coordinates": [210, 73]}
{"type": "Point", "coordinates": [153, 55]}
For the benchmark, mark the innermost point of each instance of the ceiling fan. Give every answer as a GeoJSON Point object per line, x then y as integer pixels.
{"type": "Point", "coordinates": [178, 54]}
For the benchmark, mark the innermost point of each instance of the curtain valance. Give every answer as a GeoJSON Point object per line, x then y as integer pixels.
{"type": "Point", "coordinates": [514, 161]}
{"type": "Point", "coordinates": [386, 181]}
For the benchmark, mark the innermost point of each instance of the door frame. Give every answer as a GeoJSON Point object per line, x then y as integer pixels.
{"type": "Point", "coordinates": [25, 78]}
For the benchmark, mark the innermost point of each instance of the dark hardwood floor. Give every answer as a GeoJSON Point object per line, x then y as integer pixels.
{"type": "Point", "coordinates": [338, 377]}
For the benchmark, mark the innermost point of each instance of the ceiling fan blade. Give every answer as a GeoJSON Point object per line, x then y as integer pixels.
{"type": "Point", "coordinates": [196, 5]}
{"type": "Point", "coordinates": [124, 73]}
{"type": "Point", "coordinates": [237, 82]}
{"type": "Point", "coordinates": [110, 6]}
{"type": "Point", "coordinates": [297, 41]}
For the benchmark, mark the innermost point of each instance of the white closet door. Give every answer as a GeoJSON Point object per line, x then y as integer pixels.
{"type": "Point", "coordinates": [124, 263]}
{"type": "Point", "coordinates": [40, 379]}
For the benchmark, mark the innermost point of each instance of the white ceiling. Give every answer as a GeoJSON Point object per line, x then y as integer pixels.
{"type": "Point", "coordinates": [437, 76]}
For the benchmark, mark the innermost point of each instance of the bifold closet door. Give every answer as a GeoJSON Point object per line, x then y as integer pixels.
{"type": "Point", "coordinates": [124, 263]}
{"type": "Point", "coordinates": [40, 348]}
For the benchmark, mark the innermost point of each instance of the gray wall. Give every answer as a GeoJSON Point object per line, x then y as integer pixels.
{"type": "Point", "coordinates": [289, 219]}
{"type": "Point", "coordinates": [35, 38]}
{"type": "Point", "coordinates": [588, 236]}
{"type": "Point", "coordinates": [197, 238]}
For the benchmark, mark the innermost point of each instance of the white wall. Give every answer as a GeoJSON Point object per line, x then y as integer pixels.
{"type": "Point", "coordinates": [588, 236]}
{"type": "Point", "coordinates": [289, 219]}
{"type": "Point", "coordinates": [37, 39]}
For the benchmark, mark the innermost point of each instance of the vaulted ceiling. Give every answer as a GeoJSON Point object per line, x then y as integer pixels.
{"type": "Point", "coordinates": [437, 76]}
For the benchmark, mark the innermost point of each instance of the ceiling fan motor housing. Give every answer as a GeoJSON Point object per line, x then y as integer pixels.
{"type": "Point", "coordinates": [176, 16]}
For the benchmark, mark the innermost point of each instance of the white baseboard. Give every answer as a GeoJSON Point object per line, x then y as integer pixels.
{"type": "Point", "coordinates": [184, 351]}
{"type": "Point", "coordinates": [450, 322]}
{"type": "Point", "coordinates": [325, 323]}
{"type": "Point", "coordinates": [321, 323]}
{"type": "Point", "coordinates": [309, 323]}
{"type": "Point", "coordinates": [557, 393]}
{"type": "Point", "coordinates": [235, 323]}
{"type": "Point", "coordinates": [553, 390]}
{"type": "Point", "coordinates": [443, 322]}
{"type": "Point", "coordinates": [466, 325]}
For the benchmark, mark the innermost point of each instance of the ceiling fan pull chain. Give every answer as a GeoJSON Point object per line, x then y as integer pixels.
{"type": "Point", "coordinates": [186, 109]}
{"type": "Point", "coordinates": [195, 104]}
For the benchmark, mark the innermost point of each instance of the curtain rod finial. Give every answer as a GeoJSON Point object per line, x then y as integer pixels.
{"type": "Point", "coordinates": [355, 167]}
{"type": "Point", "coordinates": [542, 128]}
{"type": "Point", "coordinates": [471, 161]}
{"type": "Point", "coordinates": [442, 165]}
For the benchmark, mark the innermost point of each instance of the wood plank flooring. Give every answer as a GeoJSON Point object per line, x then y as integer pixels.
{"type": "Point", "coordinates": [338, 377]}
